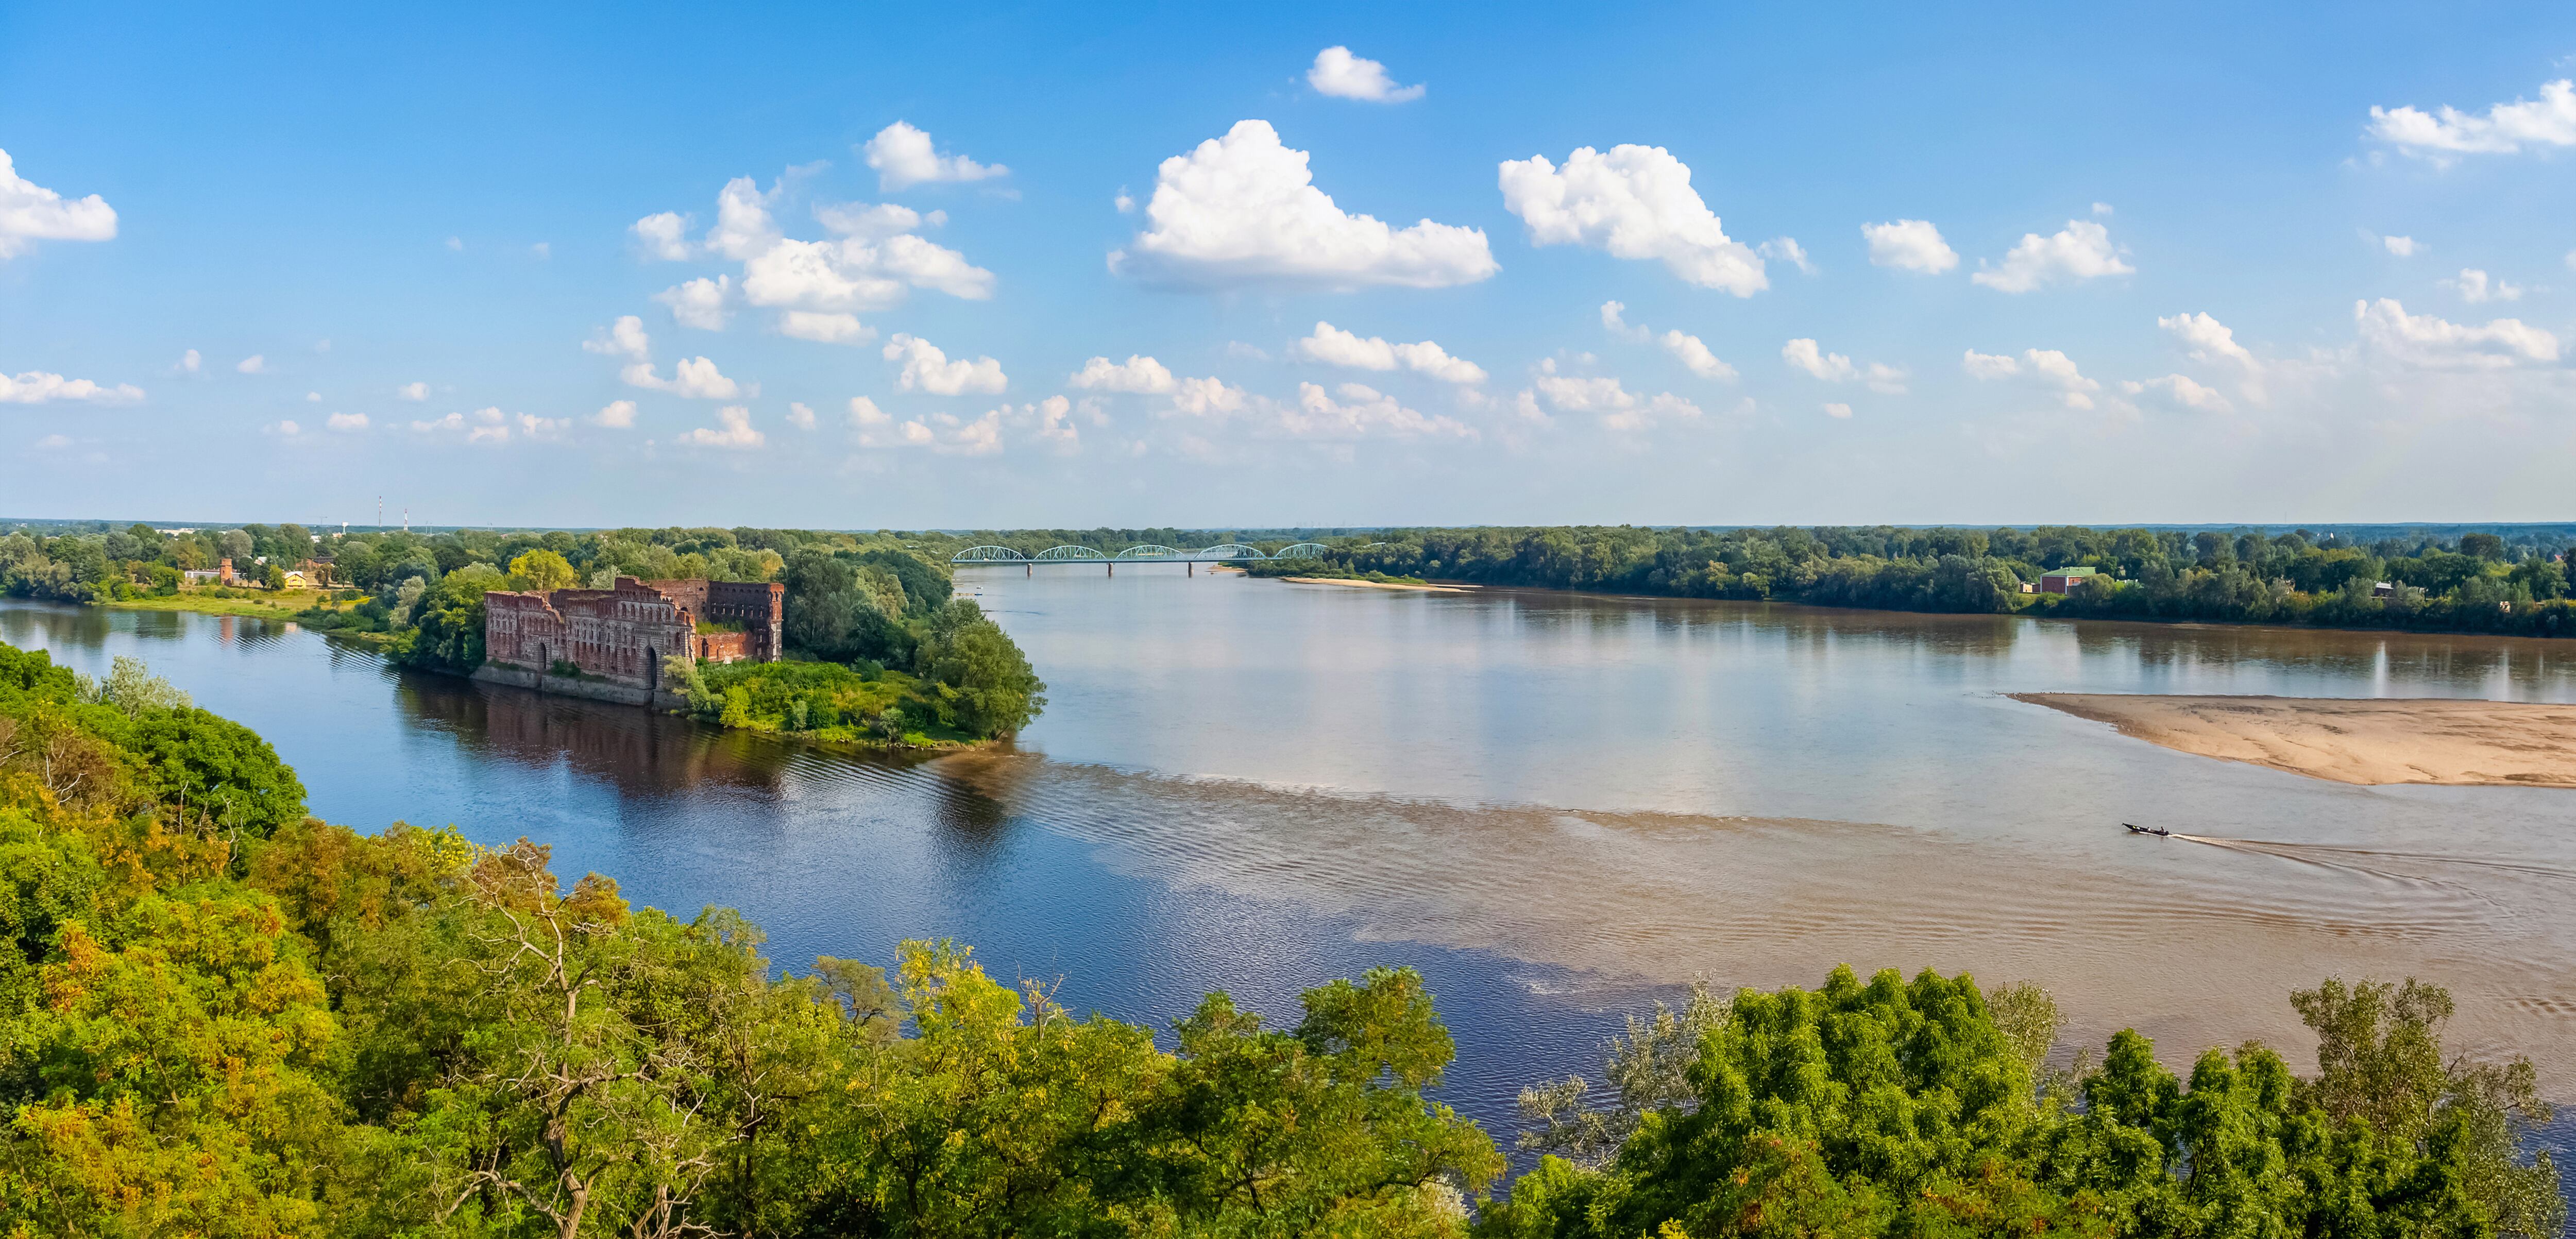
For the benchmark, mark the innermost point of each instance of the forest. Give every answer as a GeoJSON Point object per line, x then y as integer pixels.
{"type": "Point", "coordinates": [222, 1017]}
{"type": "Point", "coordinates": [2468, 582]}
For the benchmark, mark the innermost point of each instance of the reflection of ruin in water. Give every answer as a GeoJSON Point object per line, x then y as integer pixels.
{"type": "Point", "coordinates": [637, 751]}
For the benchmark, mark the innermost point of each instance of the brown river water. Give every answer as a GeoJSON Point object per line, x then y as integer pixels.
{"type": "Point", "coordinates": [1556, 805]}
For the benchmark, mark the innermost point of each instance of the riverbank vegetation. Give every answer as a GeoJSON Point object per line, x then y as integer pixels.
{"type": "Point", "coordinates": [2474, 582]}
{"type": "Point", "coordinates": [224, 1018]}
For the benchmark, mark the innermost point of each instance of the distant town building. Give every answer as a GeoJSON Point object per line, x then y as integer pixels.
{"type": "Point", "coordinates": [2063, 580]}
{"type": "Point", "coordinates": [2383, 590]}
{"type": "Point", "coordinates": [221, 574]}
{"type": "Point", "coordinates": [623, 634]}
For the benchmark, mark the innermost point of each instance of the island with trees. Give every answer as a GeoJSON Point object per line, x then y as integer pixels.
{"type": "Point", "coordinates": [879, 652]}
{"type": "Point", "coordinates": [222, 1017]}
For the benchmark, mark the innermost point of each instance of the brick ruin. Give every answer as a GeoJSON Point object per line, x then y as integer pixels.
{"type": "Point", "coordinates": [623, 634]}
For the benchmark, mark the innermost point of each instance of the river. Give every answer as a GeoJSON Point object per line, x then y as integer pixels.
{"type": "Point", "coordinates": [1558, 807]}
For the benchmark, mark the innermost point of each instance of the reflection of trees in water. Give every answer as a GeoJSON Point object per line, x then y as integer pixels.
{"type": "Point", "coordinates": [636, 750]}
{"type": "Point", "coordinates": [54, 625]}
{"type": "Point", "coordinates": [2430, 659]}
{"type": "Point", "coordinates": [970, 798]}
{"type": "Point", "coordinates": [1801, 628]}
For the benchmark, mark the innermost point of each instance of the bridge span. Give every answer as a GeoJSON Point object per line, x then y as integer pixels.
{"type": "Point", "coordinates": [1144, 553]}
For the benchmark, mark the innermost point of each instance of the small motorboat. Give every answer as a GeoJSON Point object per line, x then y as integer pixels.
{"type": "Point", "coordinates": [2137, 829]}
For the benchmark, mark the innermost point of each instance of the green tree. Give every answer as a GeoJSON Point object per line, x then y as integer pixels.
{"type": "Point", "coordinates": [542, 569]}
{"type": "Point", "coordinates": [985, 684]}
{"type": "Point", "coordinates": [447, 622]}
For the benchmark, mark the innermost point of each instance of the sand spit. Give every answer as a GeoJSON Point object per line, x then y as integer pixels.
{"type": "Point", "coordinates": [1327, 580]}
{"type": "Point", "coordinates": [2366, 741]}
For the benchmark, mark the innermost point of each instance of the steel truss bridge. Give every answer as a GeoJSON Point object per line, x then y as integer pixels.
{"type": "Point", "coordinates": [1226, 552]}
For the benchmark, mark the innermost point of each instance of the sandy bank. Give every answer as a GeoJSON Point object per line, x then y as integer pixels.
{"type": "Point", "coordinates": [2417, 740]}
{"type": "Point", "coordinates": [1326, 580]}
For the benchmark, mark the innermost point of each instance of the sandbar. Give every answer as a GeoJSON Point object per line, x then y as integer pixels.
{"type": "Point", "coordinates": [1328, 580]}
{"type": "Point", "coordinates": [2367, 741]}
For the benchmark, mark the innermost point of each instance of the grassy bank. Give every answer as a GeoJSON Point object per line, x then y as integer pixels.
{"type": "Point", "coordinates": [828, 703]}
{"type": "Point", "coordinates": [283, 604]}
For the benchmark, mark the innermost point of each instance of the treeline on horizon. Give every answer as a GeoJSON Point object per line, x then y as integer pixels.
{"type": "Point", "coordinates": [883, 649]}
{"type": "Point", "coordinates": [2475, 582]}
{"type": "Point", "coordinates": [220, 1017]}
{"type": "Point", "coordinates": [2514, 582]}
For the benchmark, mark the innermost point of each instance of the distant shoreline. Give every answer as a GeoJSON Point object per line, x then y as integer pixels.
{"type": "Point", "coordinates": [2365, 741]}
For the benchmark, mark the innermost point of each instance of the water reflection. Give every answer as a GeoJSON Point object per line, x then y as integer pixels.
{"type": "Point", "coordinates": [637, 752]}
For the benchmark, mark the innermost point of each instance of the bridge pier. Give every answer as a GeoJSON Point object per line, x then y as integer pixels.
{"type": "Point", "coordinates": [1193, 567]}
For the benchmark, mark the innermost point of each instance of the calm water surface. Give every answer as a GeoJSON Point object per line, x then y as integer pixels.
{"type": "Point", "coordinates": [1556, 806]}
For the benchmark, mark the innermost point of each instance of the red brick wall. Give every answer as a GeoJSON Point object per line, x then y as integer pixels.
{"type": "Point", "coordinates": [622, 634]}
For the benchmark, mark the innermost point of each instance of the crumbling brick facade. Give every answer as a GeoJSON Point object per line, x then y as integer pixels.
{"type": "Point", "coordinates": [623, 634]}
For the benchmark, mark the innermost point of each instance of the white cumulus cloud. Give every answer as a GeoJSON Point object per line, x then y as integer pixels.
{"type": "Point", "coordinates": [30, 213]}
{"type": "Point", "coordinates": [694, 377]}
{"type": "Point", "coordinates": [2403, 247]}
{"type": "Point", "coordinates": [414, 392]}
{"type": "Point", "coordinates": [873, 427]}
{"type": "Point", "coordinates": [1804, 354]}
{"type": "Point", "coordinates": [1786, 249]}
{"type": "Point", "coordinates": [2425, 340]}
{"type": "Point", "coordinates": [253, 364]}
{"type": "Point", "coordinates": [1355, 410]}
{"type": "Point", "coordinates": [2080, 251]}
{"type": "Point", "coordinates": [1604, 397]}
{"type": "Point", "coordinates": [904, 156]}
{"type": "Point", "coordinates": [40, 387]}
{"type": "Point", "coordinates": [2476, 286]}
{"type": "Point", "coordinates": [1344, 76]}
{"type": "Point", "coordinates": [743, 224]}
{"type": "Point", "coordinates": [1138, 374]}
{"type": "Point", "coordinates": [2447, 132]}
{"type": "Point", "coordinates": [1336, 347]}
{"type": "Point", "coordinates": [926, 368]}
{"type": "Point", "coordinates": [733, 431]}
{"type": "Point", "coordinates": [1614, 319]}
{"type": "Point", "coordinates": [347, 423]}
{"type": "Point", "coordinates": [2180, 391]}
{"type": "Point", "coordinates": [1839, 411]}
{"type": "Point", "coordinates": [1243, 210]}
{"type": "Point", "coordinates": [616, 415]}
{"type": "Point", "coordinates": [824, 327]}
{"type": "Point", "coordinates": [2207, 339]}
{"type": "Point", "coordinates": [1208, 397]}
{"type": "Point", "coordinates": [623, 338]}
{"type": "Point", "coordinates": [663, 236]}
{"type": "Point", "coordinates": [191, 361]}
{"type": "Point", "coordinates": [699, 303]}
{"type": "Point", "coordinates": [2047, 368]}
{"type": "Point", "coordinates": [491, 425]}
{"type": "Point", "coordinates": [1909, 245]}
{"type": "Point", "coordinates": [1633, 202]}
{"type": "Point", "coordinates": [800, 415]}
{"type": "Point", "coordinates": [1695, 356]}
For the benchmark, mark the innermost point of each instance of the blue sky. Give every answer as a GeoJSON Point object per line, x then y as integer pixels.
{"type": "Point", "coordinates": [1872, 263]}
